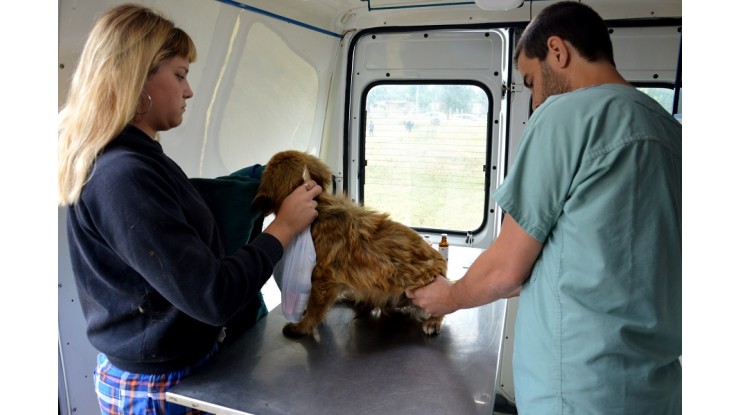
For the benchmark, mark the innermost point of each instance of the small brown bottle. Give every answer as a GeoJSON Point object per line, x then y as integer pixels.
{"type": "Point", "coordinates": [444, 246]}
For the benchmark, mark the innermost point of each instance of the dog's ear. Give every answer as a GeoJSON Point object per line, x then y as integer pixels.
{"type": "Point", "coordinates": [262, 202]}
{"type": "Point", "coordinates": [319, 171]}
{"type": "Point", "coordinates": [282, 174]}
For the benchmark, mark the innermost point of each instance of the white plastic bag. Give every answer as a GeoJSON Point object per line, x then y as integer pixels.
{"type": "Point", "coordinates": [295, 284]}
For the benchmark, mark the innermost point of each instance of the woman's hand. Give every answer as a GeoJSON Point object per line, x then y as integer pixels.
{"type": "Point", "coordinates": [297, 211]}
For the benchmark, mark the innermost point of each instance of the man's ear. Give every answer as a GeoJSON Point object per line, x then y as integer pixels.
{"type": "Point", "coordinates": [559, 50]}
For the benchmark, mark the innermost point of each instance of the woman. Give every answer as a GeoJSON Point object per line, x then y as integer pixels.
{"type": "Point", "coordinates": [149, 264]}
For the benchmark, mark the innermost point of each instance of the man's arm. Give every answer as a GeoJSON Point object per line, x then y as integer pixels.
{"type": "Point", "coordinates": [498, 272]}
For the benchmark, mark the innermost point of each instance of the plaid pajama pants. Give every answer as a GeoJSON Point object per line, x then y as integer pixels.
{"type": "Point", "coordinates": [125, 393]}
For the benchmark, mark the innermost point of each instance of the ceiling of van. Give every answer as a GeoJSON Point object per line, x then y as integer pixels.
{"type": "Point", "coordinates": [340, 16]}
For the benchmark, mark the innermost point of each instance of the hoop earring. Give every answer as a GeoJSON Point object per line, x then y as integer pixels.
{"type": "Point", "coordinates": [148, 108]}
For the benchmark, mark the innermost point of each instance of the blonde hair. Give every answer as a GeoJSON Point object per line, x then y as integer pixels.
{"type": "Point", "coordinates": [126, 44]}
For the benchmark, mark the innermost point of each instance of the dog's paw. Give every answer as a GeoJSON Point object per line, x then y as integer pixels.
{"type": "Point", "coordinates": [432, 326]}
{"type": "Point", "coordinates": [293, 330]}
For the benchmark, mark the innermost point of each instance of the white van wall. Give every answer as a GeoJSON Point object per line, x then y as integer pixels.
{"type": "Point", "coordinates": [260, 83]}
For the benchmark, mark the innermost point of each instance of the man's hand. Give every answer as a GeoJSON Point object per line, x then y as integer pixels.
{"type": "Point", "coordinates": [435, 298]}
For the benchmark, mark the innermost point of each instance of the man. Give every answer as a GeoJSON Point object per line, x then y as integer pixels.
{"type": "Point", "coordinates": [592, 236]}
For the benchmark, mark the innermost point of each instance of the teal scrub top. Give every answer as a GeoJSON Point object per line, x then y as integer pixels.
{"type": "Point", "coordinates": [597, 180]}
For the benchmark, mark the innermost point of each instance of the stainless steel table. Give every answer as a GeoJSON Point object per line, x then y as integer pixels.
{"type": "Point", "coordinates": [368, 365]}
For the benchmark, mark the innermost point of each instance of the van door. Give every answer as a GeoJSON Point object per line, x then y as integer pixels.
{"type": "Point", "coordinates": [425, 127]}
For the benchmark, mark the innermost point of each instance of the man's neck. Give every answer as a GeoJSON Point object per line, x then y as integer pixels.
{"type": "Point", "coordinates": [595, 73]}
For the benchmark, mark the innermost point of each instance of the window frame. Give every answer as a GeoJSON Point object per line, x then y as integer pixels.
{"type": "Point", "coordinates": [488, 162]}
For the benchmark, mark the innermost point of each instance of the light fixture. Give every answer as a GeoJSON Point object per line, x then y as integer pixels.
{"type": "Point", "coordinates": [498, 4]}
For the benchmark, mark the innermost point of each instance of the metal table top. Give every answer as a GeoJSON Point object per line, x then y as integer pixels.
{"type": "Point", "coordinates": [368, 365]}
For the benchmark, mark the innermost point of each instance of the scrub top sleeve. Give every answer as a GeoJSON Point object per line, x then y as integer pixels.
{"type": "Point", "coordinates": [536, 188]}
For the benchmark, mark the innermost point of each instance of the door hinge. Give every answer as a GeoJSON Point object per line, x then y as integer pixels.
{"type": "Point", "coordinates": [511, 88]}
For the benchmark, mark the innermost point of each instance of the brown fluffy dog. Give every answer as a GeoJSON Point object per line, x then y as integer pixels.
{"type": "Point", "coordinates": [360, 254]}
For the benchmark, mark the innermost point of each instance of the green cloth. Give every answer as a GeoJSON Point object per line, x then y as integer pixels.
{"type": "Point", "coordinates": [597, 180]}
{"type": "Point", "coordinates": [230, 200]}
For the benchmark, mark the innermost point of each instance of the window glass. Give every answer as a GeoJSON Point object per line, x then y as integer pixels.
{"type": "Point", "coordinates": [425, 151]}
{"type": "Point", "coordinates": [680, 101]}
{"type": "Point", "coordinates": [664, 96]}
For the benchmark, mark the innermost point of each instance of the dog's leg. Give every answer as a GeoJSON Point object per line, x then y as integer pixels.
{"type": "Point", "coordinates": [323, 295]}
{"type": "Point", "coordinates": [432, 325]}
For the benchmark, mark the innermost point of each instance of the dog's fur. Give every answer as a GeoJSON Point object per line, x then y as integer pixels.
{"type": "Point", "coordinates": [360, 254]}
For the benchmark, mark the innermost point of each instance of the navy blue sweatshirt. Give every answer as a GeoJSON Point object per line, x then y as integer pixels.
{"type": "Point", "coordinates": [152, 278]}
